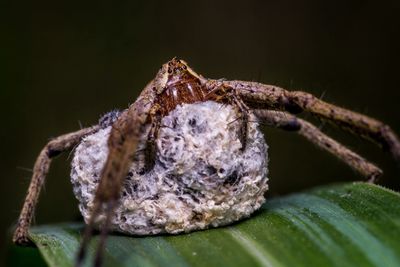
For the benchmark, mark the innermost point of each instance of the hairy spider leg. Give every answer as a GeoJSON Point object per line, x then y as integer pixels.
{"type": "Point", "coordinates": [53, 148]}
{"type": "Point", "coordinates": [289, 122]}
{"type": "Point", "coordinates": [244, 116]}
{"type": "Point", "coordinates": [125, 135]}
{"type": "Point", "coordinates": [150, 149]}
{"type": "Point", "coordinates": [98, 259]}
{"type": "Point", "coordinates": [227, 96]}
{"type": "Point", "coordinates": [257, 95]}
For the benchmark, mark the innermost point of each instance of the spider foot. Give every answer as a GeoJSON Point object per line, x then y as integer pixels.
{"type": "Point", "coordinates": [20, 238]}
{"type": "Point", "coordinates": [373, 177]}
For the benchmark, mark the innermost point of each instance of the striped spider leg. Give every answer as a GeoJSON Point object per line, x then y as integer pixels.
{"type": "Point", "coordinates": [267, 98]}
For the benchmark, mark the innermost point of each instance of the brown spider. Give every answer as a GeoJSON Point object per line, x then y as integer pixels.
{"type": "Point", "coordinates": [175, 84]}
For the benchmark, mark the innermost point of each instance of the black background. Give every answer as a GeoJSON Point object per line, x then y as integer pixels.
{"type": "Point", "coordinates": [65, 64]}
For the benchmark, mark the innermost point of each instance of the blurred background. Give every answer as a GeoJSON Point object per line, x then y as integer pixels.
{"type": "Point", "coordinates": [63, 64]}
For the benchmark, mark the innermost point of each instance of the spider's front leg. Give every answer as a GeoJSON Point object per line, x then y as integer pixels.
{"type": "Point", "coordinates": [257, 95]}
{"type": "Point", "coordinates": [123, 141]}
{"type": "Point", "coordinates": [40, 170]}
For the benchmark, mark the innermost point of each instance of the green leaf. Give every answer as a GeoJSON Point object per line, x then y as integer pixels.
{"type": "Point", "coordinates": [342, 225]}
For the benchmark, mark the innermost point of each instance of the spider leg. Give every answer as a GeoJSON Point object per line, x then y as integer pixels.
{"type": "Point", "coordinates": [289, 122]}
{"type": "Point", "coordinates": [103, 235]}
{"type": "Point", "coordinates": [359, 124]}
{"type": "Point", "coordinates": [40, 170]}
{"type": "Point", "coordinates": [228, 96]}
{"type": "Point", "coordinates": [150, 150]}
{"type": "Point", "coordinates": [123, 141]}
{"type": "Point", "coordinates": [244, 115]}
{"type": "Point", "coordinates": [257, 95]}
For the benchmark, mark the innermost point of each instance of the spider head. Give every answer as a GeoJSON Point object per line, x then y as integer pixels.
{"type": "Point", "coordinates": [174, 71]}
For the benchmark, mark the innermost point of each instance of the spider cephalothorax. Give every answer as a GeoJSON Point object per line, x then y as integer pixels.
{"type": "Point", "coordinates": [181, 86]}
{"type": "Point", "coordinates": [176, 84]}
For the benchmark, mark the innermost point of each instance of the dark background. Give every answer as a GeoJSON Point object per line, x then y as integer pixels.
{"type": "Point", "coordinates": [65, 64]}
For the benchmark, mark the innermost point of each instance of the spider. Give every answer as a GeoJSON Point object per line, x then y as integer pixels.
{"type": "Point", "coordinates": [176, 84]}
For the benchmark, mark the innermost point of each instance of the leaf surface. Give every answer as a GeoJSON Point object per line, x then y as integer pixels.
{"type": "Point", "coordinates": [353, 224]}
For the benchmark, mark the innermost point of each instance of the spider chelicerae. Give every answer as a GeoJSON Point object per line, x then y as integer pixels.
{"type": "Point", "coordinates": [175, 85]}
